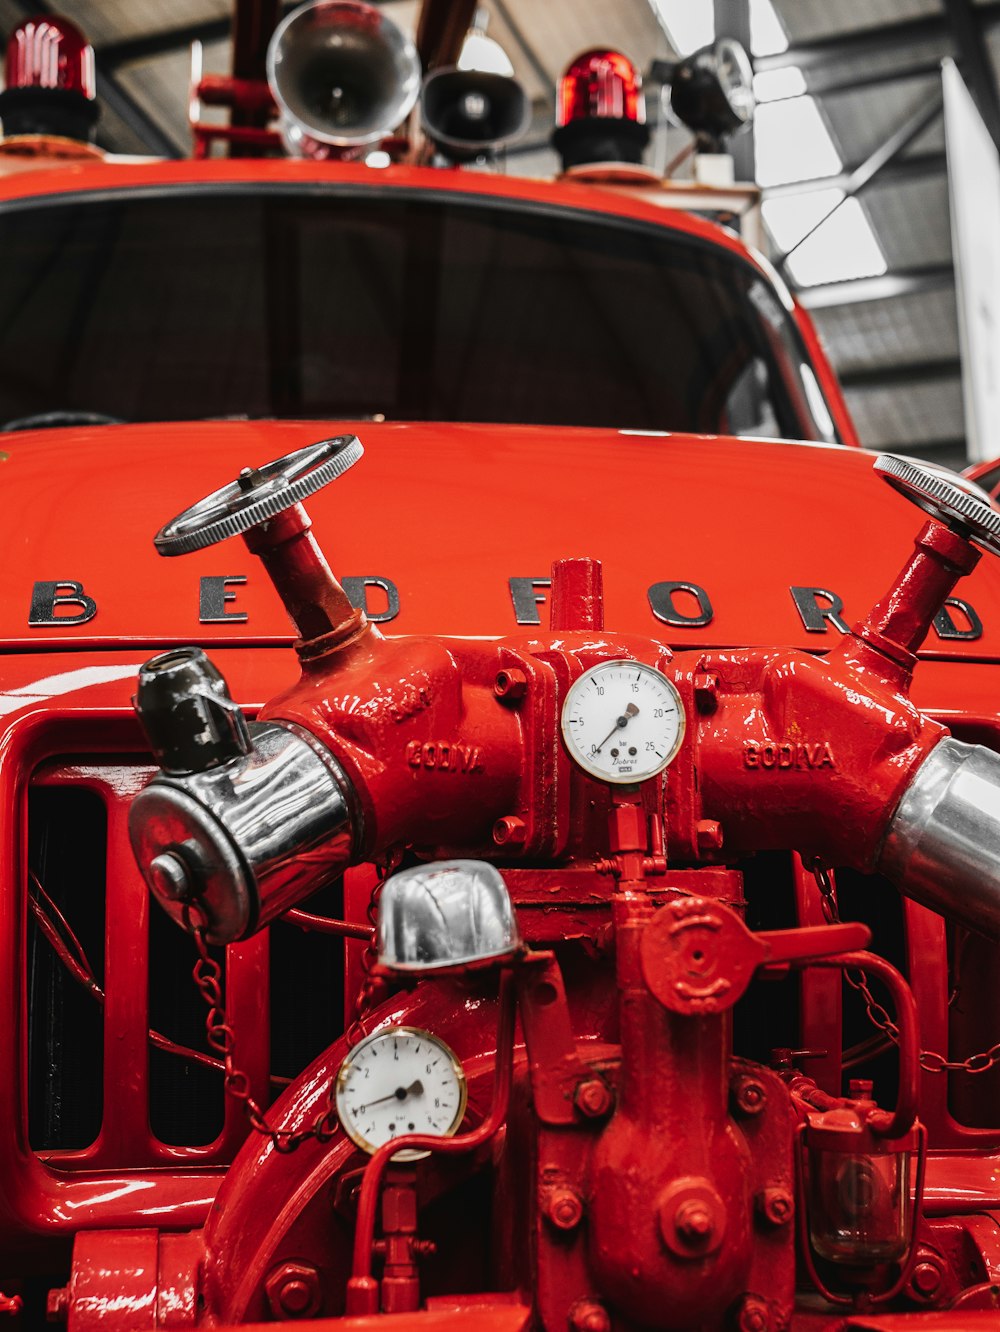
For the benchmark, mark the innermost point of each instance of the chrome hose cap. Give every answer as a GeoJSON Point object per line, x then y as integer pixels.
{"type": "Point", "coordinates": [942, 847]}
{"type": "Point", "coordinates": [452, 913]}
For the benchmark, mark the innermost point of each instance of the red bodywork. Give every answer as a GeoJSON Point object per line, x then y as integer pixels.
{"type": "Point", "coordinates": [626, 1161]}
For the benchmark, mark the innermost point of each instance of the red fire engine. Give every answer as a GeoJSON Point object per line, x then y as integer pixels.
{"type": "Point", "coordinates": [583, 914]}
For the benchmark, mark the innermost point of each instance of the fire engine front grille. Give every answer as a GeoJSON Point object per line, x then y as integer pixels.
{"type": "Point", "coordinates": [185, 1102]}
{"type": "Point", "coordinates": [119, 1072]}
{"type": "Point", "coordinates": [67, 837]}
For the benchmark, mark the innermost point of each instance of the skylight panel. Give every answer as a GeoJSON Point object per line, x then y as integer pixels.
{"type": "Point", "coordinates": [772, 85]}
{"type": "Point", "coordinates": [789, 219]}
{"type": "Point", "coordinates": [842, 247]}
{"type": "Point", "coordinates": [792, 142]}
{"type": "Point", "coordinates": [688, 25]}
{"type": "Point", "coordinates": [482, 53]}
{"type": "Point", "coordinates": [767, 34]}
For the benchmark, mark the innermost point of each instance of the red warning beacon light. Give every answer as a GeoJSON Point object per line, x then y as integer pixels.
{"type": "Point", "coordinates": [601, 83]}
{"type": "Point", "coordinates": [600, 111]}
{"type": "Point", "coordinates": [51, 85]}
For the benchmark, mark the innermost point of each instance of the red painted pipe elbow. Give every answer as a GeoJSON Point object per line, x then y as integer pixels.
{"type": "Point", "coordinates": [808, 754]}
{"type": "Point", "coordinates": [434, 757]}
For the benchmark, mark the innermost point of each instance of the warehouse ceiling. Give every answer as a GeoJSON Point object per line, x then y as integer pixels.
{"type": "Point", "coordinates": [852, 119]}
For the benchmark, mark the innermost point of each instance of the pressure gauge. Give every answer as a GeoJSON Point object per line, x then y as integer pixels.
{"type": "Point", "coordinates": [623, 721]}
{"type": "Point", "coordinates": [400, 1080]}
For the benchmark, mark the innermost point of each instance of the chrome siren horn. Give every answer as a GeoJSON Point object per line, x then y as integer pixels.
{"type": "Point", "coordinates": [343, 75]}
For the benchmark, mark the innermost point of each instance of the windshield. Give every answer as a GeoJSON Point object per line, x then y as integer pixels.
{"type": "Point", "coordinates": [388, 304]}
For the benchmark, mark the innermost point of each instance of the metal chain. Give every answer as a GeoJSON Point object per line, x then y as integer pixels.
{"type": "Point", "coordinates": [208, 978]}
{"type": "Point", "coordinates": [827, 893]}
{"type": "Point", "coordinates": [372, 987]}
{"type": "Point", "coordinates": [930, 1060]}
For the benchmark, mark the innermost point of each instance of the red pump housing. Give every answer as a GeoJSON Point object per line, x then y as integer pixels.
{"type": "Point", "coordinates": [700, 1233]}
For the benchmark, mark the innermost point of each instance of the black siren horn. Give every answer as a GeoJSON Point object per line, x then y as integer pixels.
{"type": "Point", "coordinates": [468, 113]}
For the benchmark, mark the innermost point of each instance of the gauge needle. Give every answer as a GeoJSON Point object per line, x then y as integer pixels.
{"type": "Point", "coordinates": [630, 711]}
{"type": "Point", "coordinates": [401, 1093]}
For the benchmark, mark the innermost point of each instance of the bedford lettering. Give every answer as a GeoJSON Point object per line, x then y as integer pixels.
{"type": "Point", "coordinates": [47, 597]}
{"type": "Point", "coordinates": [680, 604]}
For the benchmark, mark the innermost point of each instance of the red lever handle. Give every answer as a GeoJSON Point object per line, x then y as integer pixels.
{"type": "Point", "coordinates": [698, 957]}
{"type": "Point", "coordinates": [780, 946]}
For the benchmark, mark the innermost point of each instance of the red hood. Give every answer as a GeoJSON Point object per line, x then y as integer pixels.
{"type": "Point", "coordinates": [449, 514]}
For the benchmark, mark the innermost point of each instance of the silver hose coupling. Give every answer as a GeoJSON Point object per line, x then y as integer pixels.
{"type": "Point", "coordinates": [942, 847]}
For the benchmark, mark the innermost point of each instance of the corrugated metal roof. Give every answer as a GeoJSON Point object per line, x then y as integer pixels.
{"type": "Point", "coordinates": [861, 120]}
{"type": "Point", "coordinates": [557, 31]}
{"type": "Point", "coordinates": [887, 333]}
{"type": "Point", "coordinates": [913, 420]}
{"type": "Point", "coordinates": [911, 221]}
{"type": "Point", "coordinates": [806, 20]}
{"type": "Point", "coordinates": [864, 45]}
{"type": "Point", "coordinates": [108, 21]}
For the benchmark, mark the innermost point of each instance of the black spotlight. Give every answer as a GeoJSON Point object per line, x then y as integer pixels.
{"type": "Point", "coordinates": [711, 91]}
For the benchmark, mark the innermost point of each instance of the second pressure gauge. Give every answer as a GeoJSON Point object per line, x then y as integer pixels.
{"type": "Point", "coordinates": [400, 1080]}
{"type": "Point", "coordinates": [623, 721]}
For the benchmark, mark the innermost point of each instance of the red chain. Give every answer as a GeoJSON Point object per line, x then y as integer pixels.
{"type": "Point", "coordinates": [208, 978]}
{"type": "Point", "coordinates": [930, 1060]}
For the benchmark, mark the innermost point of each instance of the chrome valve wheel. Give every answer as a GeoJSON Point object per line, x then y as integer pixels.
{"type": "Point", "coordinates": [257, 494]}
{"type": "Point", "coordinates": [958, 503]}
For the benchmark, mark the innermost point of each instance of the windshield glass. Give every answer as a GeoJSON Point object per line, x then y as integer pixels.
{"type": "Point", "coordinates": [388, 304]}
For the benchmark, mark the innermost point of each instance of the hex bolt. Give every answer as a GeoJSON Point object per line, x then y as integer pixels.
{"type": "Point", "coordinates": [926, 1279]}
{"type": "Point", "coordinates": [693, 1223]}
{"type": "Point", "coordinates": [593, 1098]}
{"type": "Point", "coordinates": [564, 1208]}
{"type": "Point", "coordinates": [293, 1290]}
{"type": "Point", "coordinates": [510, 684]}
{"type": "Point", "coordinates": [249, 479]}
{"type": "Point", "coordinates": [775, 1206]}
{"type": "Point", "coordinates": [709, 834]}
{"type": "Point", "coordinates": [510, 831]}
{"type": "Point", "coordinates": [294, 1297]}
{"type": "Point", "coordinates": [589, 1316]}
{"type": "Point", "coordinates": [754, 1315]}
{"type": "Point", "coordinates": [749, 1096]}
{"type": "Point", "coordinates": [706, 691]}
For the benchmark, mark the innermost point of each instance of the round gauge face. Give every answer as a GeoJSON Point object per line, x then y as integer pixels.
{"type": "Point", "coordinates": [400, 1080]}
{"type": "Point", "coordinates": [623, 721]}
